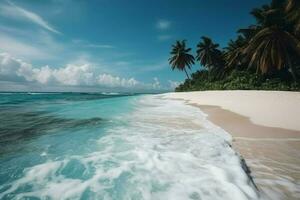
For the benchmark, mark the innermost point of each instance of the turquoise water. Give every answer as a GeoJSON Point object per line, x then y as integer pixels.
{"type": "Point", "coordinates": [102, 146]}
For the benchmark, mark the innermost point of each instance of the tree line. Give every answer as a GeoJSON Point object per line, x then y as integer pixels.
{"type": "Point", "coordinates": [265, 55]}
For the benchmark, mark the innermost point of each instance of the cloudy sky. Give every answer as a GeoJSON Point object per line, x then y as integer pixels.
{"type": "Point", "coordinates": [106, 45]}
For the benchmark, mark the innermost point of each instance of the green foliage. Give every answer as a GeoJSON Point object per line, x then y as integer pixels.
{"type": "Point", "coordinates": [264, 56]}
{"type": "Point", "coordinates": [180, 57]}
{"type": "Point", "coordinates": [236, 80]}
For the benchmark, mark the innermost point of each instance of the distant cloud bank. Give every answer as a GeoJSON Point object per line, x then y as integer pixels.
{"type": "Point", "coordinates": [35, 54]}
{"type": "Point", "coordinates": [16, 70]}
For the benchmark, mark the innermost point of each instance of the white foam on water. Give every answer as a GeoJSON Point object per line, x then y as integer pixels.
{"type": "Point", "coordinates": [149, 156]}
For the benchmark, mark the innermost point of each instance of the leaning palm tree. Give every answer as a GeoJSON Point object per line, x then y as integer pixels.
{"type": "Point", "coordinates": [273, 48]}
{"type": "Point", "coordinates": [207, 53]}
{"type": "Point", "coordinates": [180, 57]}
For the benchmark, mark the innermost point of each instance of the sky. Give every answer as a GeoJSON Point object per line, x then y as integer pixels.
{"type": "Point", "coordinates": [107, 45]}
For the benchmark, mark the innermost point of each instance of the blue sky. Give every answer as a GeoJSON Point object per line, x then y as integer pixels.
{"type": "Point", "coordinates": [107, 45]}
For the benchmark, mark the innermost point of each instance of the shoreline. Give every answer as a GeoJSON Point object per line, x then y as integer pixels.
{"type": "Point", "coordinates": [277, 109]}
{"type": "Point", "coordinates": [240, 126]}
{"type": "Point", "coordinates": [274, 143]}
{"type": "Point", "coordinates": [271, 152]}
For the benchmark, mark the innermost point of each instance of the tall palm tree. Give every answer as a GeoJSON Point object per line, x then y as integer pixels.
{"type": "Point", "coordinates": [273, 47]}
{"type": "Point", "coordinates": [180, 57]}
{"type": "Point", "coordinates": [208, 53]}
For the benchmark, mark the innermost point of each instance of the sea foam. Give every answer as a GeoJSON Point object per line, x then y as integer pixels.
{"type": "Point", "coordinates": [163, 149]}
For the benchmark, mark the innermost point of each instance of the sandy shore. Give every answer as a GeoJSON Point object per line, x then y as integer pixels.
{"type": "Point", "coordinates": [265, 126]}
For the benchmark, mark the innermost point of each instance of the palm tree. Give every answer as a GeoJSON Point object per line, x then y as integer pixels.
{"type": "Point", "coordinates": [249, 32]}
{"type": "Point", "coordinates": [234, 52]}
{"type": "Point", "coordinates": [180, 57]}
{"type": "Point", "coordinates": [292, 11]}
{"type": "Point", "coordinates": [207, 53]}
{"type": "Point", "coordinates": [273, 47]}
{"type": "Point", "coordinates": [270, 14]}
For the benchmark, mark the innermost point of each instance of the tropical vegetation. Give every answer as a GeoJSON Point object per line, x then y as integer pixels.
{"type": "Point", "coordinates": [264, 56]}
{"type": "Point", "coordinates": [181, 59]}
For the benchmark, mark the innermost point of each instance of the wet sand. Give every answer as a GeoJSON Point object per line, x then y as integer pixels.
{"type": "Point", "coordinates": [272, 154]}
{"type": "Point", "coordinates": [265, 130]}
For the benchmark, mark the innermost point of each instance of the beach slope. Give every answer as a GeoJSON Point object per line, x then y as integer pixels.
{"type": "Point", "coordinates": [265, 126]}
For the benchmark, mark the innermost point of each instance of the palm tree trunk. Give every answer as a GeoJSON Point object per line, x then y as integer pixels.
{"type": "Point", "coordinates": [187, 75]}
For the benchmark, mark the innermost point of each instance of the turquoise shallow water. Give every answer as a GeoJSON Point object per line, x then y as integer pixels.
{"type": "Point", "coordinates": [101, 146]}
{"type": "Point", "coordinates": [36, 127]}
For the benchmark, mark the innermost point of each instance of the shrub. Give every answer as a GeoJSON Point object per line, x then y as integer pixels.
{"type": "Point", "coordinates": [236, 80]}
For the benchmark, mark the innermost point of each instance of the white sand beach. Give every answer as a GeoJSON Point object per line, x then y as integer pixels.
{"type": "Point", "coordinates": [267, 108]}
{"type": "Point", "coordinates": [265, 126]}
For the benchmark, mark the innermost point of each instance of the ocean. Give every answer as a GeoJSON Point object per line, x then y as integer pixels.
{"type": "Point", "coordinates": [114, 146]}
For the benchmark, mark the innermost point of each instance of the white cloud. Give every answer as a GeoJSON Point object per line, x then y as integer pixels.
{"type": "Point", "coordinates": [163, 24]}
{"type": "Point", "coordinates": [8, 65]}
{"type": "Point", "coordinates": [16, 12]}
{"type": "Point", "coordinates": [84, 43]}
{"type": "Point", "coordinates": [115, 81]}
{"type": "Point", "coordinates": [173, 84]}
{"type": "Point", "coordinates": [20, 48]}
{"type": "Point", "coordinates": [156, 83]}
{"type": "Point", "coordinates": [69, 75]}
{"type": "Point", "coordinates": [29, 44]}
{"type": "Point", "coordinates": [74, 75]}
